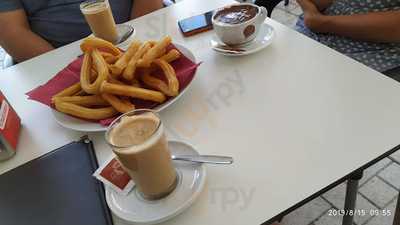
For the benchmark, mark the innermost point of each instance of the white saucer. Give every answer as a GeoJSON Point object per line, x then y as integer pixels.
{"type": "Point", "coordinates": [136, 210]}
{"type": "Point", "coordinates": [263, 39]}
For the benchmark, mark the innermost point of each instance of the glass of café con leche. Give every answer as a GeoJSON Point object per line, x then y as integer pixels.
{"type": "Point", "coordinates": [98, 15]}
{"type": "Point", "coordinates": [138, 140]}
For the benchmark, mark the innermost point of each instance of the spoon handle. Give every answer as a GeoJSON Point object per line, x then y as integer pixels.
{"type": "Point", "coordinates": [213, 159]}
{"type": "Point", "coordinates": [229, 51]}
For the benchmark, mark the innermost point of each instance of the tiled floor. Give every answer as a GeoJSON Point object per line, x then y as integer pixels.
{"type": "Point", "coordinates": [378, 193]}
{"type": "Point", "coordinates": [379, 187]}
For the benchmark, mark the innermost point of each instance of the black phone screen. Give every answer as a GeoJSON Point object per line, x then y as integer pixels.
{"type": "Point", "coordinates": [196, 22]}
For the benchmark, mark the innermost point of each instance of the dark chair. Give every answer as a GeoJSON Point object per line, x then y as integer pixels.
{"type": "Point", "coordinates": [393, 73]}
{"type": "Point", "coordinates": [270, 4]}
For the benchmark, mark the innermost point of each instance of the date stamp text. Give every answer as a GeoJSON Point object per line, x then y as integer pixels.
{"type": "Point", "coordinates": [360, 212]}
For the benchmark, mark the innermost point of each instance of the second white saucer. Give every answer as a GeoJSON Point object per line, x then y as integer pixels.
{"type": "Point", "coordinates": [134, 209]}
{"type": "Point", "coordinates": [263, 39]}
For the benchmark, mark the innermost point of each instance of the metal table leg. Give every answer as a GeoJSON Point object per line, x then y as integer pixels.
{"type": "Point", "coordinates": [351, 198]}
{"type": "Point", "coordinates": [396, 220]}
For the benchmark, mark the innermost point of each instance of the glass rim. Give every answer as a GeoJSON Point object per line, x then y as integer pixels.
{"type": "Point", "coordinates": [85, 4]}
{"type": "Point", "coordinates": [133, 112]}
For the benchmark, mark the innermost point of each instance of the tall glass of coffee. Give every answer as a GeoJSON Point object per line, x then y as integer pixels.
{"type": "Point", "coordinates": [99, 16]}
{"type": "Point", "coordinates": [138, 140]}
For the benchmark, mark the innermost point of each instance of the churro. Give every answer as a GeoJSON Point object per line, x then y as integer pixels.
{"type": "Point", "coordinates": [172, 55]}
{"type": "Point", "coordinates": [134, 92]}
{"type": "Point", "coordinates": [111, 80]}
{"type": "Point", "coordinates": [90, 100]}
{"type": "Point", "coordinates": [155, 52]}
{"type": "Point", "coordinates": [129, 72]}
{"type": "Point", "coordinates": [85, 112]}
{"type": "Point", "coordinates": [122, 62]}
{"type": "Point", "coordinates": [101, 68]}
{"type": "Point", "coordinates": [90, 43]}
{"type": "Point", "coordinates": [121, 105]}
{"type": "Point", "coordinates": [169, 73]}
{"type": "Point", "coordinates": [156, 83]}
{"type": "Point", "coordinates": [69, 91]}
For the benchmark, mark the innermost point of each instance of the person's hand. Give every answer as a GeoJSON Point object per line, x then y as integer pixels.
{"type": "Point", "coordinates": [313, 18]}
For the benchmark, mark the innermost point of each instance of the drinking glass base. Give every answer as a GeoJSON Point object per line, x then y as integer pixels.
{"type": "Point", "coordinates": [125, 31]}
{"type": "Point", "coordinates": [150, 199]}
{"type": "Point", "coordinates": [135, 209]}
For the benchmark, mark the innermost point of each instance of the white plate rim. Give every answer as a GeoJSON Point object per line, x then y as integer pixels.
{"type": "Point", "coordinates": [178, 210]}
{"type": "Point", "coordinates": [261, 47]}
{"type": "Point", "coordinates": [71, 122]}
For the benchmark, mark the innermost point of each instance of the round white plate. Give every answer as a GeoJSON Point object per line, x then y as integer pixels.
{"type": "Point", "coordinates": [87, 126]}
{"type": "Point", "coordinates": [135, 210]}
{"type": "Point", "coordinates": [263, 39]}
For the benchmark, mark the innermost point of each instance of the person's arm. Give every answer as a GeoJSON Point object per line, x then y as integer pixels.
{"type": "Point", "coordinates": [142, 7]}
{"type": "Point", "coordinates": [17, 38]}
{"type": "Point", "coordinates": [322, 4]}
{"type": "Point", "coordinates": [374, 26]}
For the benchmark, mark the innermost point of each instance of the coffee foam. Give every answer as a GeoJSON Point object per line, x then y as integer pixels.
{"type": "Point", "coordinates": [135, 148]}
{"type": "Point", "coordinates": [95, 8]}
{"type": "Point", "coordinates": [238, 12]}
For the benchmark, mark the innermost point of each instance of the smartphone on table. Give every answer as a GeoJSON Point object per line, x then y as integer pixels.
{"type": "Point", "coordinates": [196, 24]}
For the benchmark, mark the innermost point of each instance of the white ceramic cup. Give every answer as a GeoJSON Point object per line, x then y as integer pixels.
{"type": "Point", "coordinates": [241, 33]}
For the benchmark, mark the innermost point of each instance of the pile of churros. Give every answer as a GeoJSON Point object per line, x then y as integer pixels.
{"type": "Point", "coordinates": [110, 79]}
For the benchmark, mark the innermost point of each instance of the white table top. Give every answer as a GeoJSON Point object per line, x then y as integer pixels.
{"type": "Point", "coordinates": [296, 117]}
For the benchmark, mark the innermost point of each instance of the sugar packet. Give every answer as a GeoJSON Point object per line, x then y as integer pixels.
{"type": "Point", "coordinates": [113, 175]}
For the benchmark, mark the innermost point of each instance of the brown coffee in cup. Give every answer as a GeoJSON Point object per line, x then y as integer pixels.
{"type": "Point", "coordinates": [239, 23]}
{"type": "Point", "coordinates": [99, 16]}
{"type": "Point", "coordinates": [139, 142]}
{"type": "Point", "coordinates": [236, 14]}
